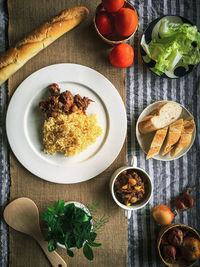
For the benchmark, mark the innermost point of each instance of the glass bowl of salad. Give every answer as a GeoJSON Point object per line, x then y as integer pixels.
{"type": "Point", "coordinates": [170, 46]}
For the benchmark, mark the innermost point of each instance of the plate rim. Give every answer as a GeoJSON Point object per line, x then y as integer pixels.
{"type": "Point", "coordinates": [111, 92]}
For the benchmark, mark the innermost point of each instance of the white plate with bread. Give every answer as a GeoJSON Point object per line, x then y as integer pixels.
{"type": "Point", "coordinates": [165, 130]}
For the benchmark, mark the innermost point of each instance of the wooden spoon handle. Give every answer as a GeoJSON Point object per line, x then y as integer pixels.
{"type": "Point", "coordinates": [54, 258]}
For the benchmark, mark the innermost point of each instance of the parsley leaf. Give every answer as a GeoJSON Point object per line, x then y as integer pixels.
{"type": "Point", "coordinates": [71, 226]}
{"type": "Point", "coordinates": [87, 251]}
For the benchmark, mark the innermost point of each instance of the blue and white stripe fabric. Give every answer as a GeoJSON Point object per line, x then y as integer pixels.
{"type": "Point", "coordinates": [169, 178]}
{"type": "Point", "coordinates": [143, 88]}
{"type": "Point", "coordinates": [4, 170]}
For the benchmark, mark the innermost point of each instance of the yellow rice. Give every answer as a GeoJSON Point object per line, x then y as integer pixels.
{"type": "Point", "coordinates": [70, 134]}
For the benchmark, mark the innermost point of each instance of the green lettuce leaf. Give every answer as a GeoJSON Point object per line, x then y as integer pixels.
{"type": "Point", "coordinates": [175, 43]}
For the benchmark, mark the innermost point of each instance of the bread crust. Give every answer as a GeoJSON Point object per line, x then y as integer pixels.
{"type": "Point", "coordinates": [157, 142]}
{"type": "Point", "coordinates": [38, 39]}
{"type": "Point", "coordinates": [173, 136]}
{"type": "Point", "coordinates": [147, 125]}
{"type": "Point", "coordinates": [186, 136]}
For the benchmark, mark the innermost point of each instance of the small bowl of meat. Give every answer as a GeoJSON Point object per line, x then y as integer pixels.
{"type": "Point", "coordinates": [131, 187]}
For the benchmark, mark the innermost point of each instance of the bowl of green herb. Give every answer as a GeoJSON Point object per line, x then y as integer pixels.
{"type": "Point", "coordinates": [70, 225]}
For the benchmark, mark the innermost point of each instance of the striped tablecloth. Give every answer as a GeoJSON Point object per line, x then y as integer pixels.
{"type": "Point", "coordinates": [169, 178]}
{"type": "Point", "coordinates": [143, 88]}
{"type": "Point", "coordinates": [4, 170]}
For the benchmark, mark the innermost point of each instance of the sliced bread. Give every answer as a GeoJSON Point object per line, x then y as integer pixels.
{"type": "Point", "coordinates": [157, 142]}
{"type": "Point", "coordinates": [173, 136]}
{"type": "Point", "coordinates": [186, 136]}
{"type": "Point", "coordinates": [164, 115]}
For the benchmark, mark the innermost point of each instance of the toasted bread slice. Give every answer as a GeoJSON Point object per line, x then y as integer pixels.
{"type": "Point", "coordinates": [173, 136]}
{"type": "Point", "coordinates": [157, 142]}
{"type": "Point", "coordinates": [186, 136]}
{"type": "Point", "coordinates": [161, 117]}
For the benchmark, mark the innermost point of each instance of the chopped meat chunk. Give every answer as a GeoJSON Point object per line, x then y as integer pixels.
{"type": "Point", "coordinates": [129, 187]}
{"type": "Point", "coordinates": [63, 102]}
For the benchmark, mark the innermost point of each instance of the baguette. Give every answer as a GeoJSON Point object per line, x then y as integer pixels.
{"type": "Point", "coordinates": [173, 136]}
{"type": "Point", "coordinates": [157, 142]}
{"type": "Point", "coordinates": [161, 117]}
{"type": "Point", "coordinates": [14, 58]}
{"type": "Point", "coordinates": [186, 136]}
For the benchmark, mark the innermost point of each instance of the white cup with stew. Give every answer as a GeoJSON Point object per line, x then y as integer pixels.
{"type": "Point", "coordinates": [131, 187]}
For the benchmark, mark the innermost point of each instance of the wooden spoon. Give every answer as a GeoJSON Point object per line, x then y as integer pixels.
{"type": "Point", "coordinates": [22, 214]}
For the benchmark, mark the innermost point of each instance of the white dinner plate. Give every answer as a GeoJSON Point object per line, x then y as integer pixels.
{"type": "Point", "coordinates": [24, 123]}
{"type": "Point", "coordinates": [145, 140]}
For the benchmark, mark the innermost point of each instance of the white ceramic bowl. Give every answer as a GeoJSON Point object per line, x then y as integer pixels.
{"type": "Point", "coordinates": [148, 187]}
{"type": "Point", "coordinates": [81, 206]}
{"type": "Point", "coordinates": [145, 140]}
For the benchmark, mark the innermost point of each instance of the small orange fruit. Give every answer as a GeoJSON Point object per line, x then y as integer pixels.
{"type": "Point", "coordinates": [104, 23]}
{"type": "Point", "coordinates": [113, 5]}
{"type": "Point", "coordinates": [122, 56]}
{"type": "Point", "coordinates": [126, 21]}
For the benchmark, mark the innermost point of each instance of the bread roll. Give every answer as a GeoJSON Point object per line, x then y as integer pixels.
{"type": "Point", "coordinates": [161, 117]}
{"type": "Point", "coordinates": [157, 142]}
{"type": "Point", "coordinates": [173, 136]}
{"type": "Point", "coordinates": [38, 39]}
{"type": "Point", "coordinates": [186, 136]}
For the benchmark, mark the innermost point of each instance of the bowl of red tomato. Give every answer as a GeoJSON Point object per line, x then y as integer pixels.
{"type": "Point", "coordinates": [115, 21]}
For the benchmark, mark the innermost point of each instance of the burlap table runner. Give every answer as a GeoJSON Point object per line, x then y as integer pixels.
{"type": "Point", "coordinates": [81, 46]}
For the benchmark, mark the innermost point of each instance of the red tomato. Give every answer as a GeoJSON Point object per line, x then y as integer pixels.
{"type": "Point", "coordinates": [104, 23]}
{"type": "Point", "coordinates": [122, 56]}
{"type": "Point", "coordinates": [126, 21]}
{"type": "Point", "coordinates": [112, 5]}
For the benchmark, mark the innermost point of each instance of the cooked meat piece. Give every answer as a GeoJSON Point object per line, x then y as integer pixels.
{"type": "Point", "coordinates": [62, 102]}
{"type": "Point", "coordinates": [129, 187]}
{"type": "Point", "coordinates": [74, 108]}
{"type": "Point", "coordinates": [78, 100]}
{"type": "Point", "coordinates": [53, 101]}
{"type": "Point", "coordinates": [82, 103]}
{"type": "Point", "coordinates": [67, 98]}
{"type": "Point", "coordinates": [43, 105]}
{"type": "Point", "coordinates": [54, 89]}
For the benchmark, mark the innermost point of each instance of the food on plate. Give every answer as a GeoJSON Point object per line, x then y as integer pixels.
{"type": "Point", "coordinates": [162, 214]}
{"type": "Point", "coordinates": [157, 142]}
{"type": "Point", "coordinates": [72, 226]}
{"type": "Point", "coordinates": [113, 5]}
{"type": "Point", "coordinates": [186, 136]}
{"type": "Point", "coordinates": [173, 136]}
{"type": "Point", "coordinates": [185, 201]}
{"type": "Point", "coordinates": [122, 56]}
{"type": "Point", "coordinates": [70, 134]}
{"type": "Point", "coordinates": [190, 249]}
{"type": "Point", "coordinates": [67, 128]}
{"type": "Point", "coordinates": [14, 58]}
{"type": "Point", "coordinates": [129, 187]}
{"type": "Point", "coordinates": [175, 44]}
{"type": "Point", "coordinates": [64, 102]}
{"type": "Point", "coordinates": [165, 114]}
{"type": "Point", "coordinates": [126, 21]}
{"type": "Point", "coordinates": [168, 129]}
{"type": "Point", "coordinates": [104, 23]}
{"type": "Point", "coordinates": [180, 245]}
